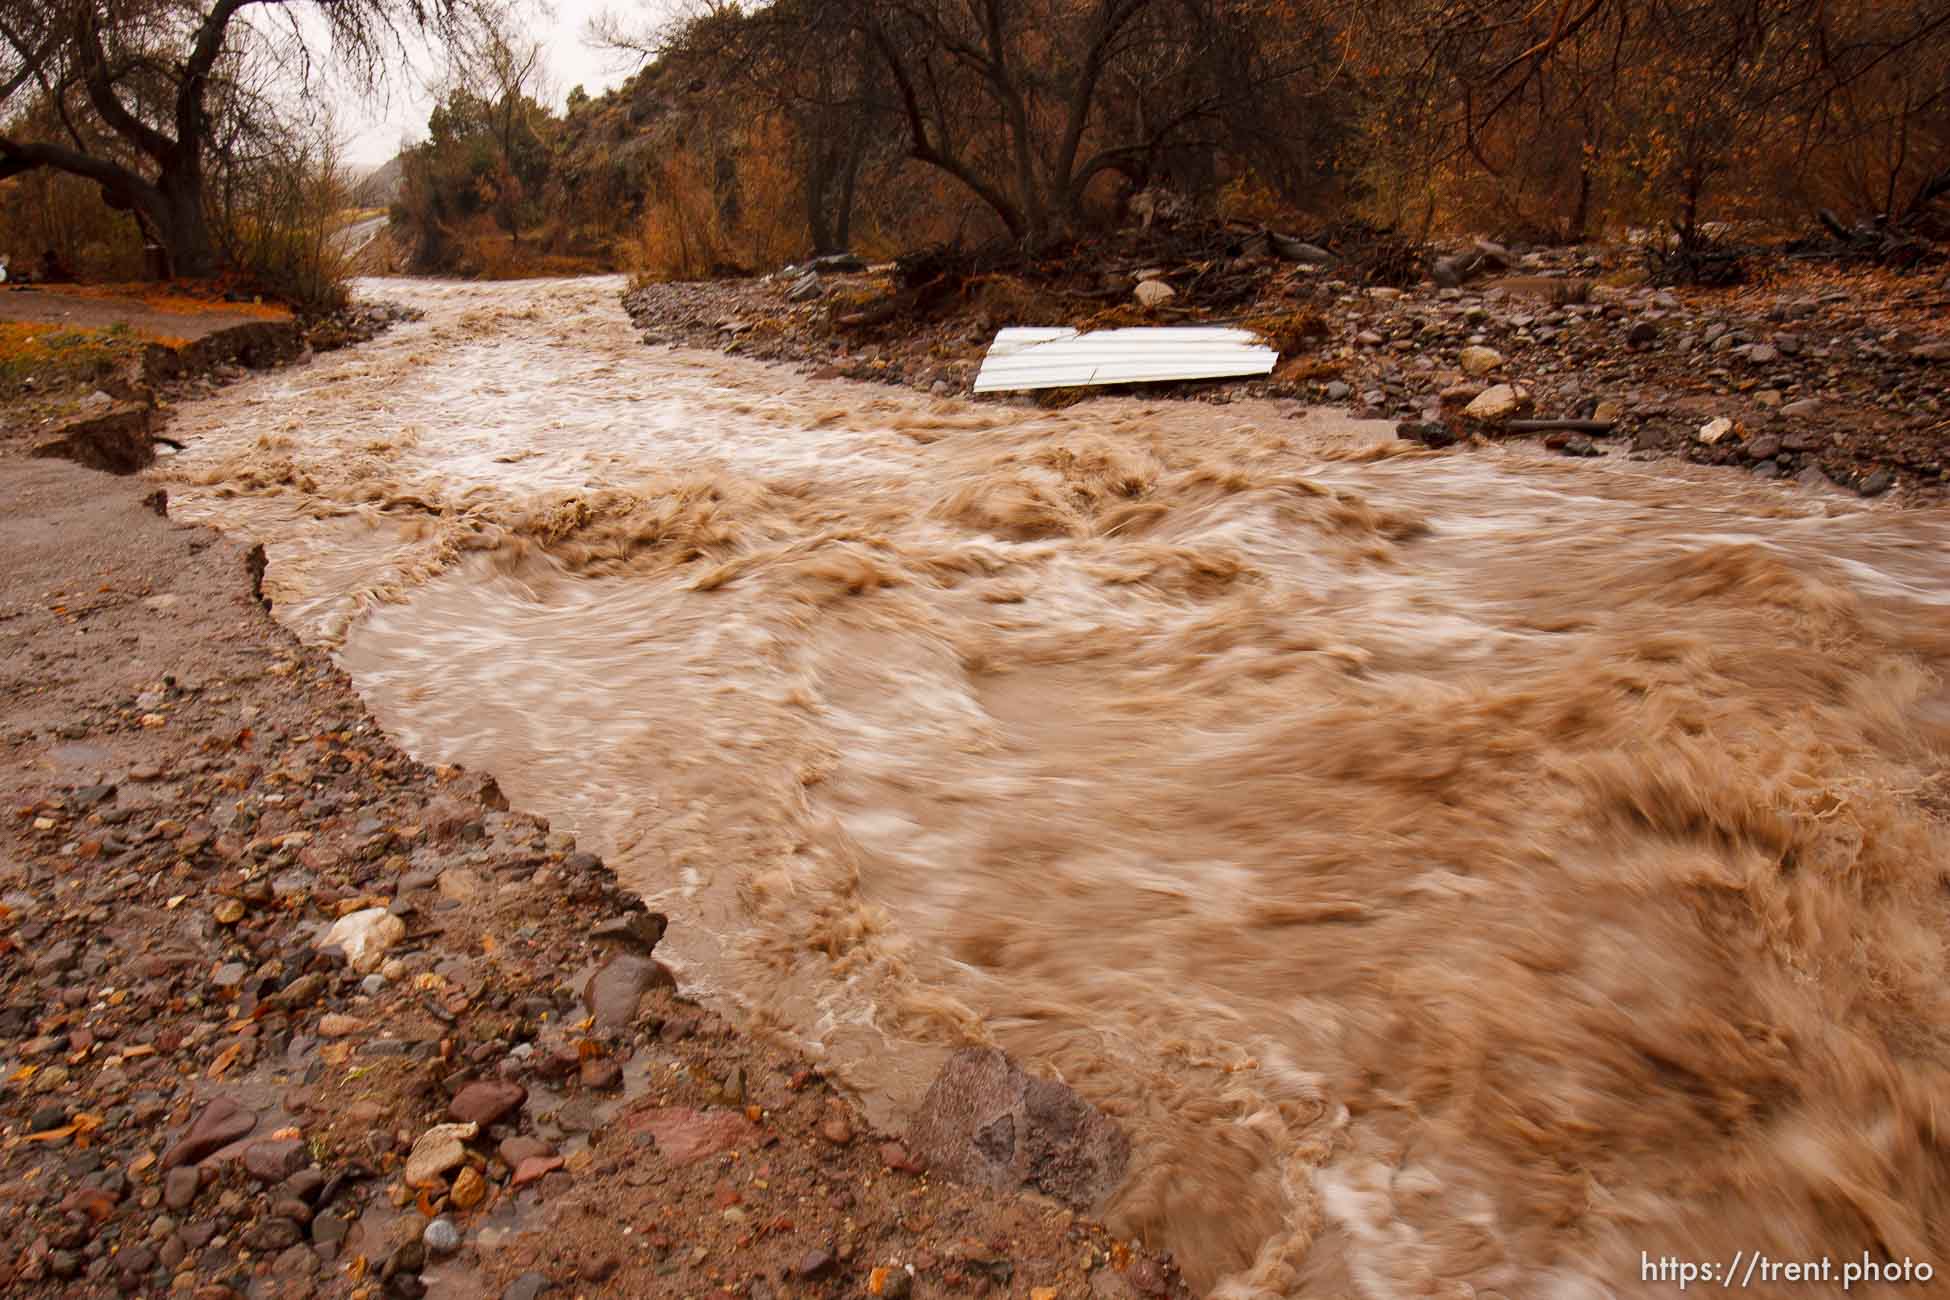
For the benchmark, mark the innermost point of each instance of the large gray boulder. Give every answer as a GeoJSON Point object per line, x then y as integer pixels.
{"type": "Point", "coordinates": [986, 1123]}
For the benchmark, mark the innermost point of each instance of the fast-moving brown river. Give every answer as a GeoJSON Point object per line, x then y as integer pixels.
{"type": "Point", "coordinates": [1462, 874]}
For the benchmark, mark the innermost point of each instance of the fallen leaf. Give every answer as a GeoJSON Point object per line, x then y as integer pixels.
{"type": "Point", "coordinates": [50, 1135]}
{"type": "Point", "coordinates": [225, 1059]}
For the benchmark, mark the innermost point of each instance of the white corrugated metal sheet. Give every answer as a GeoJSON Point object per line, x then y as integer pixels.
{"type": "Point", "coordinates": [1054, 357]}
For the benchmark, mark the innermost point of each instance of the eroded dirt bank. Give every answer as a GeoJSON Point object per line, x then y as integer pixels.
{"type": "Point", "coordinates": [1459, 872]}
{"type": "Point", "coordinates": [197, 1099]}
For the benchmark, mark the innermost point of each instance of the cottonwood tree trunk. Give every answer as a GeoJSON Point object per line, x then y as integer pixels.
{"type": "Point", "coordinates": [831, 180]}
{"type": "Point", "coordinates": [182, 225]}
{"type": "Point", "coordinates": [169, 209]}
{"type": "Point", "coordinates": [169, 206]}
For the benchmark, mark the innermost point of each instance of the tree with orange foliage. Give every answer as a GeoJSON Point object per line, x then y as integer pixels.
{"type": "Point", "coordinates": [1681, 100]}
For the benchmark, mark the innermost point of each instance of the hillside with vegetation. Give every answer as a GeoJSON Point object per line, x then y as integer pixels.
{"type": "Point", "coordinates": [754, 136]}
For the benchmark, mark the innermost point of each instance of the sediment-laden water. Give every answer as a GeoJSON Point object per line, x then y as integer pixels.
{"type": "Point", "coordinates": [1462, 873]}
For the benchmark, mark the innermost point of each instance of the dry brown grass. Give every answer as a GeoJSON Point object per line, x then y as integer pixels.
{"type": "Point", "coordinates": [43, 358]}
{"type": "Point", "coordinates": [181, 298]}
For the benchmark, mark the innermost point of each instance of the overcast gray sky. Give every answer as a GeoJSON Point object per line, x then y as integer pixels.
{"type": "Point", "coordinates": [376, 126]}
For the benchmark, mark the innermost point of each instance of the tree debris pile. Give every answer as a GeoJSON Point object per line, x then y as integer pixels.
{"type": "Point", "coordinates": [1899, 246]}
{"type": "Point", "coordinates": [1209, 271]}
{"type": "Point", "coordinates": [1834, 368]}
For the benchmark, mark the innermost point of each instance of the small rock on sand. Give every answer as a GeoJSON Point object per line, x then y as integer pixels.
{"type": "Point", "coordinates": [613, 992]}
{"type": "Point", "coordinates": [219, 1124]}
{"type": "Point", "coordinates": [439, 1149]}
{"type": "Point", "coordinates": [364, 936]}
{"type": "Point", "coordinates": [486, 1102]}
{"type": "Point", "coordinates": [1497, 403]}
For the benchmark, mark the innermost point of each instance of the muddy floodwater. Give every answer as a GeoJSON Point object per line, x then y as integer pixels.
{"type": "Point", "coordinates": [1462, 873]}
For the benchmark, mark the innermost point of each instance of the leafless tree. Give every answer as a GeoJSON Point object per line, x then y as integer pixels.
{"type": "Point", "coordinates": [1686, 95]}
{"type": "Point", "coordinates": [139, 88]}
{"type": "Point", "coordinates": [1025, 103]}
{"type": "Point", "coordinates": [505, 73]}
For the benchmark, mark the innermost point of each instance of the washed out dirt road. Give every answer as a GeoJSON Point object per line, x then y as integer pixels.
{"type": "Point", "coordinates": [1460, 873]}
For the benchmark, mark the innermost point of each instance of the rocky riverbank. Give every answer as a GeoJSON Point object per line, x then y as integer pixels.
{"type": "Point", "coordinates": [1836, 375]}
{"type": "Point", "coordinates": [284, 1012]}
{"type": "Point", "coordinates": [98, 396]}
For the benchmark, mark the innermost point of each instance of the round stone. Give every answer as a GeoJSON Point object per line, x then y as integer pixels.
{"type": "Point", "coordinates": [441, 1237]}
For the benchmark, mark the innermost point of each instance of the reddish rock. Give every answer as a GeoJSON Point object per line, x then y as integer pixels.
{"type": "Point", "coordinates": [517, 1149]}
{"type": "Point", "coordinates": [180, 1187]}
{"type": "Point", "coordinates": [837, 1126]}
{"type": "Point", "coordinates": [684, 1135]}
{"type": "Point", "coordinates": [613, 992]}
{"type": "Point", "coordinates": [487, 1102]}
{"type": "Point", "coordinates": [297, 1260]}
{"type": "Point", "coordinates": [95, 1202]}
{"type": "Point", "coordinates": [446, 817]}
{"type": "Point", "coordinates": [1145, 1276]}
{"type": "Point", "coordinates": [640, 931]}
{"type": "Point", "coordinates": [895, 1156]}
{"type": "Point", "coordinates": [535, 1167]}
{"type": "Point", "coordinates": [815, 1264]}
{"type": "Point", "coordinates": [490, 795]}
{"type": "Point", "coordinates": [272, 1160]}
{"type": "Point", "coordinates": [220, 1123]}
{"type": "Point", "coordinates": [272, 1235]}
